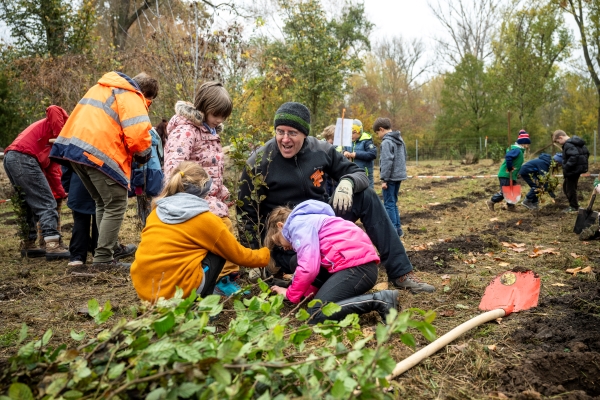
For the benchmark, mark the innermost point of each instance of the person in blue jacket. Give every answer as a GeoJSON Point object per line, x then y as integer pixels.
{"type": "Point", "coordinates": [147, 179]}
{"type": "Point", "coordinates": [363, 151]}
{"type": "Point", "coordinates": [531, 172]}
{"type": "Point", "coordinates": [84, 236]}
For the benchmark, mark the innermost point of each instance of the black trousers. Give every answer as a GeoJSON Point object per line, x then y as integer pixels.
{"type": "Point", "coordinates": [345, 284]}
{"type": "Point", "coordinates": [370, 210]}
{"type": "Point", "coordinates": [570, 190]}
{"type": "Point", "coordinates": [212, 265]}
{"type": "Point", "coordinates": [84, 236]}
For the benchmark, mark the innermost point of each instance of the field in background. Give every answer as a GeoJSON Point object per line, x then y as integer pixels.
{"type": "Point", "coordinates": [454, 242]}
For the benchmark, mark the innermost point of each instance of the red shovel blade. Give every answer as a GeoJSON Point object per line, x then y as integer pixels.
{"type": "Point", "coordinates": [512, 194]}
{"type": "Point", "coordinates": [512, 291]}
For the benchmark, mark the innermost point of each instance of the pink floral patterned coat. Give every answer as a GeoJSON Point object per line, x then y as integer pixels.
{"type": "Point", "coordinates": [189, 140]}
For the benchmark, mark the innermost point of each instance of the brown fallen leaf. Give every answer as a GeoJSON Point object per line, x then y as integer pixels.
{"type": "Point", "coordinates": [558, 284]}
{"type": "Point", "coordinates": [574, 255]}
{"type": "Point", "coordinates": [586, 270]}
{"type": "Point", "coordinates": [381, 286]}
{"type": "Point", "coordinates": [499, 321]}
{"type": "Point", "coordinates": [492, 347]}
{"type": "Point", "coordinates": [446, 276]}
{"type": "Point", "coordinates": [447, 313]}
{"type": "Point", "coordinates": [433, 204]}
{"type": "Point", "coordinates": [494, 219]}
{"type": "Point", "coordinates": [519, 222]}
{"type": "Point", "coordinates": [573, 271]}
{"type": "Point", "coordinates": [419, 247]}
{"type": "Point", "coordinates": [519, 249]}
{"type": "Point", "coordinates": [459, 347]}
{"type": "Point", "coordinates": [497, 395]}
{"type": "Point", "coordinates": [503, 264]}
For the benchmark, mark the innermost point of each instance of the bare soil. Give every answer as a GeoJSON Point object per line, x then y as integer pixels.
{"type": "Point", "coordinates": [454, 243]}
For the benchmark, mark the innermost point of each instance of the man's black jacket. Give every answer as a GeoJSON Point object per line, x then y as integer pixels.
{"type": "Point", "coordinates": [290, 181]}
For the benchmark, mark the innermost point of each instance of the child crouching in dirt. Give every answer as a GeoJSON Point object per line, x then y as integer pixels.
{"type": "Point", "coordinates": [335, 259]}
{"type": "Point", "coordinates": [510, 167]}
{"type": "Point", "coordinates": [184, 244]}
{"type": "Point", "coordinates": [531, 172]}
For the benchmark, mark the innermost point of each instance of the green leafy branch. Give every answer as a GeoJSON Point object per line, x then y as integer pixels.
{"type": "Point", "coordinates": [171, 350]}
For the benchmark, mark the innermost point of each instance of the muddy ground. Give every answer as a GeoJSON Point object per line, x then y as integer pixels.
{"type": "Point", "coordinates": [454, 242]}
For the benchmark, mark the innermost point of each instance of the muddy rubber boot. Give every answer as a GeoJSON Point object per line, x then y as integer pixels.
{"type": "Point", "coordinates": [55, 250]}
{"type": "Point", "coordinates": [31, 250]}
{"type": "Point", "coordinates": [382, 302]}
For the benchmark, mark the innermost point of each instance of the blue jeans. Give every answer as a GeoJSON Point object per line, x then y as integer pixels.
{"type": "Point", "coordinates": [390, 202]}
{"type": "Point", "coordinates": [25, 174]}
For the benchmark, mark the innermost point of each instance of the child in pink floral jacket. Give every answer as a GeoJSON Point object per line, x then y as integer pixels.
{"type": "Point", "coordinates": [193, 135]}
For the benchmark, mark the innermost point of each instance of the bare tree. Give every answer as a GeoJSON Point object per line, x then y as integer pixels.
{"type": "Point", "coordinates": [470, 25]}
{"type": "Point", "coordinates": [587, 18]}
{"type": "Point", "coordinates": [402, 63]}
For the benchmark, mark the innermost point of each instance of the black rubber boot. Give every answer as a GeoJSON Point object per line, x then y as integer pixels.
{"type": "Point", "coordinates": [382, 302]}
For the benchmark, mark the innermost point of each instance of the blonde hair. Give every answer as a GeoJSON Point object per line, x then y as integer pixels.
{"type": "Point", "coordinates": [328, 132]}
{"type": "Point", "coordinates": [186, 173]}
{"type": "Point", "coordinates": [212, 98]}
{"type": "Point", "coordinates": [558, 134]}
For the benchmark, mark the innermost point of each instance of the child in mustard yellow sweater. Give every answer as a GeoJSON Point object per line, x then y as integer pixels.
{"type": "Point", "coordinates": [184, 244]}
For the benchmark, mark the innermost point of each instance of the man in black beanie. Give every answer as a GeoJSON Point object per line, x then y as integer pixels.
{"type": "Point", "coordinates": [293, 164]}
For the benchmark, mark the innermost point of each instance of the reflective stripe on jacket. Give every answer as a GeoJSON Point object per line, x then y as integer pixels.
{"type": "Point", "coordinates": [108, 126]}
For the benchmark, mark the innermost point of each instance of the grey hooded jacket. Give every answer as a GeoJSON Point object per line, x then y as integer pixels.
{"type": "Point", "coordinates": [392, 158]}
{"type": "Point", "coordinates": [180, 207]}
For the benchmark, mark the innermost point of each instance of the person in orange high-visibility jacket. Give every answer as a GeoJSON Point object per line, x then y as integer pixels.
{"type": "Point", "coordinates": [107, 129]}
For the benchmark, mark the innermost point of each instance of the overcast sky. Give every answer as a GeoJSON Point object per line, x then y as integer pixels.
{"type": "Point", "coordinates": [409, 18]}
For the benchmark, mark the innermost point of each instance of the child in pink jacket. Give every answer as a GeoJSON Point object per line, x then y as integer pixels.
{"type": "Point", "coordinates": [335, 259]}
{"type": "Point", "coordinates": [193, 135]}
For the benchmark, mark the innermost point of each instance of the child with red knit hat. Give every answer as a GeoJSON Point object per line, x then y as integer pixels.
{"type": "Point", "coordinates": [510, 167]}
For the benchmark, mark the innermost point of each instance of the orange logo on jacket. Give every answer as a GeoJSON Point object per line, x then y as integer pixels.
{"type": "Point", "coordinates": [317, 178]}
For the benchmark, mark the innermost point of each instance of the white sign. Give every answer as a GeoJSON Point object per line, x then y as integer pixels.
{"type": "Point", "coordinates": [343, 132]}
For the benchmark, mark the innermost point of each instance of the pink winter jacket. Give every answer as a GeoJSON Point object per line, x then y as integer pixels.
{"type": "Point", "coordinates": [189, 140]}
{"type": "Point", "coordinates": [322, 239]}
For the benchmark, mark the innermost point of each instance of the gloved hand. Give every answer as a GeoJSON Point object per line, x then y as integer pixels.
{"type": "Point", "coordinates": [342, 198]}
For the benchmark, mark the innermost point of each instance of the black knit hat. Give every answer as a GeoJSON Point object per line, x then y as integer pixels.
{"type": "Point", "coordinates": [295, 115]}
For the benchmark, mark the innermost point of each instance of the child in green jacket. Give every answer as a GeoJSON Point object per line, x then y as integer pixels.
{"type": "Point", "coordinates": [510, 167]}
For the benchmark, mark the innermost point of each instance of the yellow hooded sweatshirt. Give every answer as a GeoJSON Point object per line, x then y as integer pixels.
{"type": "Point", "coordinates": [178, 235]}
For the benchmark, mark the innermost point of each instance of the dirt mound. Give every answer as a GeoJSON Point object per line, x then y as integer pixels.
{"type": "Point", "coordinates": [562, 341]}
{"type": "Point", "coordinates": [517, 224]}
{"type": "Point", "coordinates": [409, 217]}
{"type": "Point", "coordinates": [555, 373]}
{"type": "Point", "coordinates": [437, 256]}
{"type": "Point", "coordinates": [9, 291]}
{"type": "Point", "coordinates": [561, 329]}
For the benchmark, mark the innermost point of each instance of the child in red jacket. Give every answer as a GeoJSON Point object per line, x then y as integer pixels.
{"type": "Point", "coordinates": [37, 179]}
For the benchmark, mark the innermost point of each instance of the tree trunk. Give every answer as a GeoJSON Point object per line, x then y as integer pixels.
{"type": "Point", "coordinates": [122, 19]}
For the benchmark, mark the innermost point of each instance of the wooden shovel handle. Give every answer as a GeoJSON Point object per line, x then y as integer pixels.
{"type": "Point", "coordinates": [440, 342]}
{"type": "Point", "coordinates": [592, 199]}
